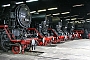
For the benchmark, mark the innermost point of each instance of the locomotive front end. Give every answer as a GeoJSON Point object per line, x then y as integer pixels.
{"type": "Point", "coordinates": [17, 17]}
{"type": "Point", "coordinates": [14, 20]}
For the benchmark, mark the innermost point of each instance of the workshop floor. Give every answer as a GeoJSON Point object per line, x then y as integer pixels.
{"type": "Point", "coordinates": [70, 50]}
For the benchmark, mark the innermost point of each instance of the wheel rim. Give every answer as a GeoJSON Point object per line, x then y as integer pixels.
{"type": "Point", "coordinates": [16, 49]}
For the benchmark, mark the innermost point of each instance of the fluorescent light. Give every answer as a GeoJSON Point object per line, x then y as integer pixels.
{"type": "Point", "coordinates": [65, 13]}
{"type": "Point", "coordinates": [82, 20]}
{"type": "Point", "coordinates": [78, 5]}
{"type": "Point", "coordinates": [70, 22]}
{"type": "Point", "coordinates": [67, 19]}
{"type": "Point", "coordinates": [19, 2]}
{"type": "Point", "coordinates": [32, 11]}
{"type": "Point", "coordinates": [87, 19]}
{"type": "Point", "coordinates": [6, 5]}
{"type": "Point", "coordinates": [36, 13]}
{"type": "Point", "coordinates": [41, 10]}
{"type": "Point", "coordinates": [66, 16]}
{"type": "Point", "coordinates": [52, 8]}
{"type": "Point", "coordinates": [57, 14]}
{"type": "Point", "coordinates": [78, 22]}
{"type": "Point", "coordinates": [79, 18]}
{"type": "Point", "coordinates": [74, 15]}
{"type": "Point", "coordinates": [73, 18]}
{"type": "Point", "coordinates": [31, 0]}
{"type": "Point", "coordinates": [48, 15]}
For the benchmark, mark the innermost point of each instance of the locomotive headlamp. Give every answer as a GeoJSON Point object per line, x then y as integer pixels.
{"type": "Point", "coordinates": [27, 20]}
{"type": "Point", "coordinates": [65, 27]}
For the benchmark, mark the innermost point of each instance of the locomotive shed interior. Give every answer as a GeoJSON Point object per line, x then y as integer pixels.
{"type": "Point", "coordinates": [44, 29]}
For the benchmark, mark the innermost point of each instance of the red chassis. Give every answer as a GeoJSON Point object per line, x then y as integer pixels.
{"type": "Point", "coordinates": [56, 37]}
{"type": "Point", "coordinates": [78, 33]}
{"type": "Point", "coordinates": [73, 36]}
{"type": "Point", "coordinates": [17, 45]}
{"type": "Point", "coordinates": [43, 40]}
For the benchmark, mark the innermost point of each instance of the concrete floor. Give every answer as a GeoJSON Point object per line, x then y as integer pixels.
{"type": "Point", "coordinates": [70, 50]}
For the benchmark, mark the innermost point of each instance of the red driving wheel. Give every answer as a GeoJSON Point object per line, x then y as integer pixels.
{"type": "Point", "coordinates": [16, 49]}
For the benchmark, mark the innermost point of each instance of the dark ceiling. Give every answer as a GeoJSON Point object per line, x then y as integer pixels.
{"type": "Point", "coordinates": [63, 6]}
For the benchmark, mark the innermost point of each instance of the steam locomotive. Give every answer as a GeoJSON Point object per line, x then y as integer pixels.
{"type": "Point", "coordinates": [18, 19]}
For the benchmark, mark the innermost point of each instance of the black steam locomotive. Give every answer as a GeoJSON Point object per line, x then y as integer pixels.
{"type": "Point", "coordinates": [18, 18]}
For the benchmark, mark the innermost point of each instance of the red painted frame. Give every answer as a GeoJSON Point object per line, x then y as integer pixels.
{"type": "Point", "coordinates": [78, 33]}
{"type": "Point", "coordinates": [24, 42]}
{"type": "Point", "coordinates": [47, 39]}
{"type": "Point", "coordinates": [57, 38]}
